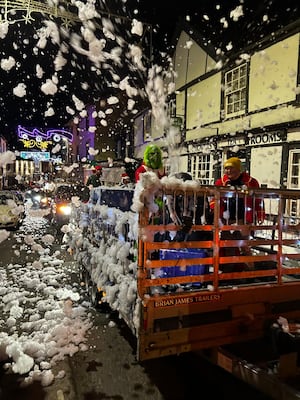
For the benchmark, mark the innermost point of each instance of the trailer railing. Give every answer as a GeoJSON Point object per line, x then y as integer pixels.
{"type": "Point", "coordinates": [232, 250]}
{"type": "Point", "coordinates": [219, 279]}
{"type": "Point", "coordinates": [184, 277]}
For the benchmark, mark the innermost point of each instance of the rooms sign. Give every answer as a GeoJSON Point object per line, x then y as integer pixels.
{"type": "Point", "coordinates": [264, 138]}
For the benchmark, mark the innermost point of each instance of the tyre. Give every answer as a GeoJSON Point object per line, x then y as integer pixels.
{"type": "Point", "coordinates": [82, 278]}
{"type": "Point", "coordinates": [95, 296]}
{"type": "Point", "coordinates": [87, 283]}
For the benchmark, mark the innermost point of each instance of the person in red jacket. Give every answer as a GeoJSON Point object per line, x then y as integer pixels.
{"type": "Point", "coordinates": [152, 162]}
{"type": "Point", "coordinates": [246, 211]}
{"type": "Point", "coordinates": [235, 178]}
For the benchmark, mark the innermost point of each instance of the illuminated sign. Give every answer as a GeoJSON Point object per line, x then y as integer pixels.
{"type": "Point", "coordinates": [35, 155]}
{"type": "Point", "coordinates": [40, 144]}
{"type": "Point", "coordinates": [51, 134]}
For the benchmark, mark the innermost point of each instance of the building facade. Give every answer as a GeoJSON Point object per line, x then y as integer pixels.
{"type": "Point", "coordinates": [3, 149]}
{"type": "Point", "coordinates": [248, 107]}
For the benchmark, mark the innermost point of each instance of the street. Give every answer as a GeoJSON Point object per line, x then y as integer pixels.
{"type": "Point", "coordinates": [105, 366]}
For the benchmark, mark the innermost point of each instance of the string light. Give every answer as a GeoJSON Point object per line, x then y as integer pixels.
{"type": "Point", "coordinates": [23, 10]}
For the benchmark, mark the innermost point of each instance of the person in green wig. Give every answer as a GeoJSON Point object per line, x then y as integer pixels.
{"type": "Point", "coordinates": [152, 162]}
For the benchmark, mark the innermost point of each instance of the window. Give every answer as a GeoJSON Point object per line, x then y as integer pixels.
{"type": "Point", "coordinates": [172, 108]}
{"type": "Point", "coordinates": [201, 168]}
{"type": "Point", "coordinates": [147, 126]}
{"type": "Point", "coordinates": [293, 206]}
{"type": "Point", "coordinates": [294, 170]}
{"type": "Point", "coordinates": [236, 91]}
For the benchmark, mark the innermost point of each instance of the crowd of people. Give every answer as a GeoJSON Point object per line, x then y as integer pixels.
{"type": "Point", "coordinates": [234, 177]}
{"type": "Point", "coordinates": [235, 210]}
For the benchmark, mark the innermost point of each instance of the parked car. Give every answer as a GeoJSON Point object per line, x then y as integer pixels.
{"type": "Point", "coordinates": [20, 201]}
{"type": "Point", "coordinates": [11, 210]}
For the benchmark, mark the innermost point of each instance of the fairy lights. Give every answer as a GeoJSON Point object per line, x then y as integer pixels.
{"type": "Point", "coordinates": [23, 10]}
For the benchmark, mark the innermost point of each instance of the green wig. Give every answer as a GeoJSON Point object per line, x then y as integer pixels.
{"type": "Point", "coordinates": [153, 157]}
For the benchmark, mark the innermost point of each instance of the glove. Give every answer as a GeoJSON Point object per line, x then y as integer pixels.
{"type": "Point", "coordinates": [187, 223]}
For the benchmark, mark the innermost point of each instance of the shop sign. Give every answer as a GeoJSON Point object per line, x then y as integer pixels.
{"type": "Point", "coordinates": [265, 138]}
{"type": "Point", "coordinates": [204, 148]}
{"type": "Point", "coordinates": [35, 155]}
{"type": "Point", "coordinates": [175, 301]}
{"type": "Point", "coordinates": [231, 142]}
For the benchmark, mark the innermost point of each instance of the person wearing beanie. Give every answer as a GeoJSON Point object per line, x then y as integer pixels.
{"type": "Point", "coordinates": [125, 181]}
{"type": "Point", "coordinates": [231, 213]}
{"type": "Point", "coordinates": [152, 162]}
{"type": "Point", "coordinates": [95, 179]}
{"type": "Point", "coordinates": [235, 178]}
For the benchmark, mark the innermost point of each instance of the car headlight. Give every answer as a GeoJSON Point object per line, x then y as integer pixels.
{"type": "Point", "coordinates": [64, 209]}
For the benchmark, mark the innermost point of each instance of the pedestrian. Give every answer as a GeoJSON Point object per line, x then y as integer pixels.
{"type": "Point", "coordinates": [238, 209]}
{"type": "Point", "coordinates": [152, 162]}
{"type": "Point", "coordinates": [95, 179]}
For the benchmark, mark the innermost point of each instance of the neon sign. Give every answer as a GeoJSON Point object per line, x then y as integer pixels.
{"type": "Point", "coordinates": [35, 155]}
{"type": "Point", "coordinates": [40, 144]}
{"type": "Point", "coordinates": [51, 134]}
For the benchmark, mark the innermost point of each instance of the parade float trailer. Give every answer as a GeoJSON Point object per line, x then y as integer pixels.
{"type": "Point", "coordinates": [184, 286]}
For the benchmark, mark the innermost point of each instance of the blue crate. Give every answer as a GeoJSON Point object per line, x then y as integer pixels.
{"type": "Point", "coordinates": [177, 254]}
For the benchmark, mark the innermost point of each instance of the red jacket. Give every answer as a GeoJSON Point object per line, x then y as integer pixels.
{"type": "Point", "coordinates": [143, 168]}
{"type": "Point", "coordinates": [247, 181]}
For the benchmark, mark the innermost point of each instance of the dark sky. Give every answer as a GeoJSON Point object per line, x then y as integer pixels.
{"type": "Point", "coordinates": [79, 78]}
{"type": "Point", "coordinates": [260, 17]}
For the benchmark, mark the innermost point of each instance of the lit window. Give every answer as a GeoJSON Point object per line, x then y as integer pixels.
{"type": "Point", "coordinates": [293, 205]}
{"type": "Point", "coordinates": [201, 168]}
{"type": "Point", "coordinates": [235, 92]}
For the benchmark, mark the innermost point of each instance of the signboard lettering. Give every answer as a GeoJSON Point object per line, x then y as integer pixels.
{"type": "Point", "coordinates": [266, 138]}
{"type": "Point", "coordinates": [231, 142]}
{"type": "Point", "coordinates": [187, 300]}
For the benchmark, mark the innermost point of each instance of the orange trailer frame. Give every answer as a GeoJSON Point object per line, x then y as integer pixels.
{"type": "Point", "coordinates": [224, 307]}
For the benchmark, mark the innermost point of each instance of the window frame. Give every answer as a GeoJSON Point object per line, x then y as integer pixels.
{"type": "Point", "coordinates": [293, 206]}
{"type": "Point", "coordinates": [236, 90]}
{"type": "Point", "coordinates": [200, 166]}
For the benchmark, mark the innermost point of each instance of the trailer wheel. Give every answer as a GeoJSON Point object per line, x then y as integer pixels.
{"type": "Point", "coordinates": [82, 277]}
{"type": "Point", "coordinates": [95, 295]}
{"type": "Point", "coordinates": [87, 283]}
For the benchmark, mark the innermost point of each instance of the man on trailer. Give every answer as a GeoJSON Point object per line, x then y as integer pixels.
{"type": "Point", "coordinates": [235, 178]}
{"type": "Point", "coordinates": [152, 162]}
{"type": "Point", "coordinates": [240, 209]}
{"type": "Point", "coordinates": [94, 180]}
